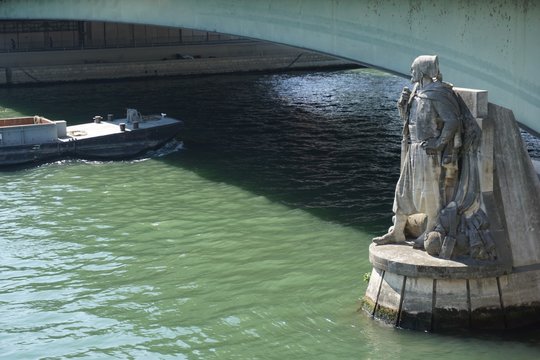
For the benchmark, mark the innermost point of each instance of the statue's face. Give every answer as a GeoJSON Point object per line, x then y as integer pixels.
{"type": "Point", "coordinates": [416, 75]}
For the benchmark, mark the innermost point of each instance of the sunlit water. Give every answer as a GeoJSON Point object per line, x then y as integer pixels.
{"type": "Point", "coordinates": [249, 242]}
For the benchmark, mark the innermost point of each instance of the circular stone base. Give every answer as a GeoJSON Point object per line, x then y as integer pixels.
{"type": "Point", "coordinates": [404, 260]}
{"type": "Point", "coordinates": [411, 289]}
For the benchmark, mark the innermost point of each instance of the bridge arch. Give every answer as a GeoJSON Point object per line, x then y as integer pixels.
{"type": "Point", "coordinates": [491, 45]}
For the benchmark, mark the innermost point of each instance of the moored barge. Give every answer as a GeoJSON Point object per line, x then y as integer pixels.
{"type": "Point", "coordinates": [35, 139]}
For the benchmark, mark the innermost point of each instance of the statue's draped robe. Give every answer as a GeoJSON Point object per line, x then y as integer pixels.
{"type": "Point", "coordinates": [434, 111]}
{"type": "Point", "coordinates": [438, 113]}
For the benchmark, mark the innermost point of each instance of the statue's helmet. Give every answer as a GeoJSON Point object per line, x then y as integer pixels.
{"type": "Point", "coordinates": [427, 65]}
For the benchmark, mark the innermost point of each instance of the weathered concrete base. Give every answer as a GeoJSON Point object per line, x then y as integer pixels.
{"type": "Point", "coordinates": [446, 294]}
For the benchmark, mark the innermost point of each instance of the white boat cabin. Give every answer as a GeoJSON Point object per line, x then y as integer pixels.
{"type": "Point", "coordinates": [30, 130]}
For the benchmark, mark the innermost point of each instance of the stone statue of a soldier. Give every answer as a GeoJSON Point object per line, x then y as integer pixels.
{"type": "Point", "coordinates": [438, 181]}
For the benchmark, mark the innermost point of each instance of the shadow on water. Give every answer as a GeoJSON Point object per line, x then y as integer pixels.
{"type": "Point", "coordinates": [308, 141]}
{"type": "Point", "coordinates": [329, 182]}
{"type": "Point", "coordinates": [528, 335]}
{"type": "Point", "coordinates": [324, 143]}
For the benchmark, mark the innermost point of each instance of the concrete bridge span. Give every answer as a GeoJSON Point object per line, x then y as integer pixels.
{"type": "Point", "coordinates": [490, 45]}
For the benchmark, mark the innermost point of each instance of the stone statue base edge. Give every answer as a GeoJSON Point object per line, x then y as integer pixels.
{"type": "Point", "coordinates": [444, 294]}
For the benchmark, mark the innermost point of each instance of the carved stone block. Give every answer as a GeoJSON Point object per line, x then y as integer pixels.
{"type": "Point", "coordinates": [476, 100]}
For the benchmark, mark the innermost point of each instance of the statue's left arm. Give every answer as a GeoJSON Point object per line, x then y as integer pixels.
{"type": "Point", "coordinates": [448, 113]}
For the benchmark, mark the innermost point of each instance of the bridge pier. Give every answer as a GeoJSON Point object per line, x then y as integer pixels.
{"type": "Point", "coordinates": [410, 289]}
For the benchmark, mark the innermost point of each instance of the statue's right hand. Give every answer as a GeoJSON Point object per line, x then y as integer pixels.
{"type": "Point", "coordinates": [404, 97]}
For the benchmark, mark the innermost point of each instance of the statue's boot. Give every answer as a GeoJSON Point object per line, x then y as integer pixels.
{"type": "Point", "coordinates": [418, 243]}
{"type": "Point", "coordinates": [395, 235]}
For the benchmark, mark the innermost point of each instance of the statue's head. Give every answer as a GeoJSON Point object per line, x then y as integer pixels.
{"type": "Point", "coordinates": [425, 66]}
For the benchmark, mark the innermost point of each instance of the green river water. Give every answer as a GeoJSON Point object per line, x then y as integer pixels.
{"type": "Point", "coordinates": [249, 242]}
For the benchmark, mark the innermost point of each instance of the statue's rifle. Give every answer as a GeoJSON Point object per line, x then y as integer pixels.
{"type": "Point", "coordinates": [404, 111]}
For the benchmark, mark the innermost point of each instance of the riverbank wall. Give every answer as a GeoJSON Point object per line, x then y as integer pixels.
{"type": "Point", "coordinates": [108, 64]}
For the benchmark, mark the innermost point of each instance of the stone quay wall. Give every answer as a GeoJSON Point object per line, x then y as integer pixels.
{"type": "Point", "coordinates": [81, 72]}
{"type": "Point", "coordinates": [81, 65]}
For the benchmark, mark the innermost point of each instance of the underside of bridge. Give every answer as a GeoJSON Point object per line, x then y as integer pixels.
{"type": "Point", "coordinates": [490, 45]}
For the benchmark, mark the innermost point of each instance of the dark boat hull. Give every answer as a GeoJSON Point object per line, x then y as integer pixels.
{"type": "Point", "coordinates": [25, 154]}
{"type": "Point", "coordinates": [121, 145]}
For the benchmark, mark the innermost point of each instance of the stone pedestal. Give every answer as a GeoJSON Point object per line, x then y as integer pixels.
{"type": "Point", "coordinates": [411, 289]}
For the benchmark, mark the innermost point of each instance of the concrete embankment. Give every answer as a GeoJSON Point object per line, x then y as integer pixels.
{"type": "Point", "coordinates": [80, 65]}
